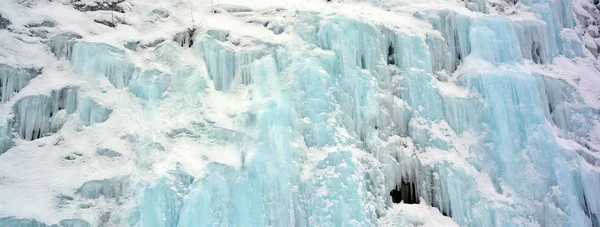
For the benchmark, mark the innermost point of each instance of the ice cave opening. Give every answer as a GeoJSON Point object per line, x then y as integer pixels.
{"type": "Point", "coordinates": [406, 192]}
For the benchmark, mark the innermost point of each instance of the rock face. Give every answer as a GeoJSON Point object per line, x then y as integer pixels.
{"type": "Point", "coordinates": [4, 23]}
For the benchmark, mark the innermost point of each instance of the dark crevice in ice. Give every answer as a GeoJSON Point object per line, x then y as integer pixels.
{"type": "Point", "coordinates": [588, 212]}
{"type": "Point", "coordinates": [45, 23]}
{"type": "Point", "coordinates": [186, 38]}
{"type": "Point", "coordinates": [363, 64]}
{"type": "Point", "coordinates": [390, 58]}
{"type": "Point", "coordinates": [535, 53]}
{"type": "Point", "coordinates": [111, 24]}
{"type": "Point", "coordinates": [405, 192]}
{"type": "Point", "coordinates": [39, 33]}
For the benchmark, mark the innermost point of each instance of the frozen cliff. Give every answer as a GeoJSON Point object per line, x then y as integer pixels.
{"type": "Point", "coordinates": [299, 113]}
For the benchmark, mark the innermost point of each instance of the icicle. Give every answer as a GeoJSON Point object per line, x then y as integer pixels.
{"type": "Point", "coordinates": [455, 30]}
{"type": "Point", "coordinates": [12, 80]}
{"type": "Point", "coordinates": [220, 62]}
{"type": "Point", "coordinates": [162, 202]}
{"type": "Point", "coordinates": [37, 116]}
{"type": "Point", "coordinates": [107, 152]}
{"type": "Point", "coordinates": [494, 39]}
{"type": "Point", "coordinates": [94, 59]}
{"type": "Point", "coordinates": [440, 56]}
{"type": "Point", "coordinates": [226, 65]}
{"type": "Point", "coordinates": [5, 138]}
{"type": "Point", "coordinates": [91, 112]}
{"type": "Point", "coordinates": [62, 45]}
{"type": "Point", "coordinates": [534, 41]}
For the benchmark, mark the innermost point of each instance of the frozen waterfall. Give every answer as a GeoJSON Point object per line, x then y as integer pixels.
{"type": "Point", "coordinates": [341, 113]}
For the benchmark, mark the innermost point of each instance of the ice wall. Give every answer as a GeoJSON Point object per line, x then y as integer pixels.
{"type": "Point", "coordinates": [150, 85]}
{"type": "Point", "coordinates": [379, 89]}
{"type": "Point", "coordinates": [13, 80]}
{"type": "Point", "coordinates": [335, 121]}
{"type": "Point", "coordinates": [37, 116]}
{"type": "Point", "coordinates": [225, 63]}
{"type": "Point", "coordinates": [62, 44]}
{"type": "Point", "coordinates": [91, 112]}
{"type": "Point", "coordinates": [514, 145]}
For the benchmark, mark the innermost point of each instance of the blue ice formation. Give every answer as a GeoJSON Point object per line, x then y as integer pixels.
{"type": "Point", "coordinates": [91, 112]}
{"type": "Point", "coordinates": [36, 116]}
{"type": "Point", "coordinates": [112, 188]}
{"type": "Point", "coordinates": [351, 112]}
{"type": "Point", "coordinates": [12, 80]}
{"type": "Point", "coordinates": [150, 84]}
{"type": "Point", "coordinates": [95, 59]}
{"type": "Point", "coordinates": [62, 44]}
{"type": "Point", "coordinates": [225, 63]}
{"type": "Point", "coordinates": [28, 222]}
{"type": "Point", "coordinates": [161, 202]}
{"type": "Point", "coordinates": [372, 84]}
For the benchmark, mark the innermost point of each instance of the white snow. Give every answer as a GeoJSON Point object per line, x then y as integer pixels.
{"type": "Point", "coordinates": [409, 215]}
{"type": "Point", "coordinates": [34, 173]}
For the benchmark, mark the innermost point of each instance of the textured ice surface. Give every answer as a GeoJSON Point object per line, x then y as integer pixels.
{"type": "Point", "coordinates": [107, 188]}
{"type": "Point", "coordinates": [12, 80]}
{"type": "Point", "coordinates": [150, 84]}
{"type": "Point", "coordinates": [507, 112]}
{"type": "Point", "coordinates": [62, 44]}
{"type": "Point", "coordinates": [287, 117]}
{"type": "Point", "coordinates": [95, 59]}
{"type": "Point", "coordinates": [224, 63]}
{"type": "Point", "coordinates": [27, 222]}
{"type": "Point", "coordinates": [91, 112]}
{"type": "Point", "coordinates": [162, 202]}
{"type": "Point", "coordinates": [37, 116]}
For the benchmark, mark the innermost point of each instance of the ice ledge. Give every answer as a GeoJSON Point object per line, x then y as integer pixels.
{"type": "Point", "coordinates": [415, 215]}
